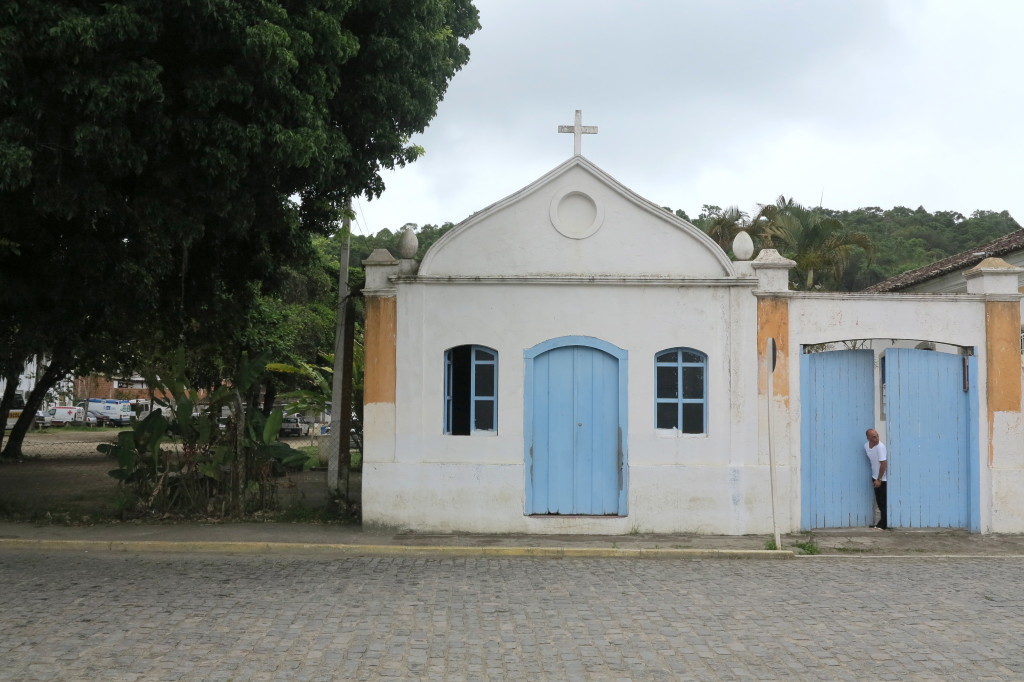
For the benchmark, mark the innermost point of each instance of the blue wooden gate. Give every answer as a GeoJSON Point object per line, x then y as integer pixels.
{"type": "Point", "coordinates": [929, 410]}
{"type": "Point", "coordinates": [575, 428]}
{"type": "Point", "coordinates": [837, 397]}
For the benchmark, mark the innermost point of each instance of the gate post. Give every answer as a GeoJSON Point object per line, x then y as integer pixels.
{"type": "Point", "coordinates": [997, 280]}
{"type": "Point", "coordinates": [773, 320]}
{"type": "Point", "coordinates": [772, 272]}
{"type": "Point", "coordinates": [380, 346]}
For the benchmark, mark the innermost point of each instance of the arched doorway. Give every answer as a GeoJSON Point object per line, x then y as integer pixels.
{"type": "Point", "coordinates": [575, 428]}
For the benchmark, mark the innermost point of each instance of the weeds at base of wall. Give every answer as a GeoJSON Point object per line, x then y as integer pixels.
{"type": "Point", "coordinates": [337, 510]}
{"type": "Point", "coordinates": [809, 546]}
{"type": "Point", "coordinates": [388, 529]}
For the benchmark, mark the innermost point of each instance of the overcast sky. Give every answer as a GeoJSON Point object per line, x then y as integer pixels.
{"type": "Point", "coordinates": [731, 102]}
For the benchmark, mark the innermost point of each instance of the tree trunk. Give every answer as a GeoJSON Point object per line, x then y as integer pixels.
{"type": "Point", "coordinates": [10, 388]}
{"type": "Point", "coordinates": [269, 396]}
{"type": "Point", "coordinates": [239, 466]}
{"type": "Point", "coordinates": [53, 374]}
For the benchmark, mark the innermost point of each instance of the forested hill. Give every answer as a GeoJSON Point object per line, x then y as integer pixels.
{"type": "Point", "coordinates": [903, 238]}
{"type": "Point", "coordinates": [363, 245]}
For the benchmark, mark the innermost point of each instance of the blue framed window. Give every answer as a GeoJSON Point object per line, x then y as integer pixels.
{"type": "Point", "coordinates": [681, 390]}
{"type": "Point", "coordinates": [470, 390]}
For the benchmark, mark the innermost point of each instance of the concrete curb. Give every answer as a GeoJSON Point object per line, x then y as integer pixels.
{"type": "Point", "coordinates": [385, 550]}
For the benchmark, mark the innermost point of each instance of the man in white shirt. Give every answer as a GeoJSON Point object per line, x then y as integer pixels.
{"type": "Point", "coordinates": [878, 457]}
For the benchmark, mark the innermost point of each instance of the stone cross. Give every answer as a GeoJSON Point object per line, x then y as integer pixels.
{"type": "Point", "coordinates": [578, 130]}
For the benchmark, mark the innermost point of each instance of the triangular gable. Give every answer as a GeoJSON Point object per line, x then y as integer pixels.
{"type": "Point", "coordinates": [576, 221]}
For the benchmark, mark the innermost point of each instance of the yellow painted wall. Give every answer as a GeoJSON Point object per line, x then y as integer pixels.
{"type": "Point", "coordinates": [1002, 349]}
{"type": "Point", "coordinates": [380, 340]}
{"type": "Point", "coordinates": [773, 323]}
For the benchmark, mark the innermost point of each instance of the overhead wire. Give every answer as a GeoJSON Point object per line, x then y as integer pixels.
{"type": "Point", "coordinates": [361, 220]}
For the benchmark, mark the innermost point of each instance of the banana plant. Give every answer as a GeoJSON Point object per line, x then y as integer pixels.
{"type": "Point", "coordinates": [318, 395]}
{"type": "Point", "coordinates": [192, 464]}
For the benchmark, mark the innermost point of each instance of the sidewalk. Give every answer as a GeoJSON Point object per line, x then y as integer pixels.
{"type": "Point", "coordinates": [298, 538]}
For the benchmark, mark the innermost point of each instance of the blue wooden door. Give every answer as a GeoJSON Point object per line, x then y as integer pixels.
{"type": "Point", "coordinates": [837, 398]}
{"type": "Point", "coordinates": [574, 459]}
{"type": "Point", "coordinates": [928, 410]}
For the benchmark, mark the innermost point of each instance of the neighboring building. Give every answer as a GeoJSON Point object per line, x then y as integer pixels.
{"type": "Point", "coordinates": [70, 389]}
{"type": "Point", "coordinates": [946, 276]}
{"type": "Point", "coordinates": [575, 359]}
{"type": "Point", "coordinates": [119, 387]}
{"type": "Point", "coordinates": [59, 395]}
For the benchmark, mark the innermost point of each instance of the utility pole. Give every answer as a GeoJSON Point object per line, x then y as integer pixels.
{"type": "Point", "coordinates": [340, 423]}
{"type": "Point", "coordinates": [345, 417]}
{"type": "Point", "coordinates": [770, 352]}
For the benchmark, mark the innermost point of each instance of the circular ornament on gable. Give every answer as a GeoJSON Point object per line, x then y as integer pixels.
{"type": "Point", "coordinates": [575, 214]}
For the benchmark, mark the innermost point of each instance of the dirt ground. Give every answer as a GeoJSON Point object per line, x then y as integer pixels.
{"type": "Point", "coordinates": [63, 473]}
{"type": "Point", "coordinates": [60, 443]}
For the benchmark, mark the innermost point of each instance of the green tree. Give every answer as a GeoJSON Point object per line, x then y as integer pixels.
{"type": "Point", "coordinates": [722, 225]}
{"type": "Point", "coordinates": [165, 164]}
{"type": "Point", "coordinates": [902, 238]}
{"type": "Point", "coordinates": [818, 242]}
{"type": "Point", "coordinates": [906, 239]}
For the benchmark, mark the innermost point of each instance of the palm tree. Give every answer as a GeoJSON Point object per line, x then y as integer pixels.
{"type": "Point", "coordinates": [819, 243]}
{"type": "Point", "coordinates": [722, 225]}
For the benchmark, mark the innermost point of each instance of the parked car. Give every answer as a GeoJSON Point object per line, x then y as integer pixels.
{"type": "Point", "coordinates": [42, 419]}
{"type": "Point", "coordinates": [89, 419]}
{"type": "Point", "coordinates": [294, 426]}
{"type": "Point", "coordinates": [95, 418]}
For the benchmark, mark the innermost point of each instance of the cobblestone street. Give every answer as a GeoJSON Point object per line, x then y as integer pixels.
{"type": "Point", "coordinates": [79, 616]}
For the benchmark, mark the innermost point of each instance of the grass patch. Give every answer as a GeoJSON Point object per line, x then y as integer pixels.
{"type": "Point", "coordinates": [83, 511]}
{"type": "Point", "coordinates": [314, 451]}
{"type": "Point", "coordinates": [81, 428]}
{"type": "Point", "coordinates": [808, 547]}
{"type": "Point", "coordinates": [770, 545]}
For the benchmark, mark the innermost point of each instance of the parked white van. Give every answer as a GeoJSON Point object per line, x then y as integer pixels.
{"type": "Point", "coordinates": [61, 416]}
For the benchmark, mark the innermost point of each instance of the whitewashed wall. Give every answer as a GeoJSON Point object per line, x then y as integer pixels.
{"type": "Point", "coordinates": [643, 281]}
{"type": "Point", "coordinates": [508, 280]}
{"type": "Point", "coordinates": [676, 481]}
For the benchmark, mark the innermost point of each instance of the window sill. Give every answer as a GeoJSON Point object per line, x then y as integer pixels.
{"type": "Point", "coordinates": [676, 433]}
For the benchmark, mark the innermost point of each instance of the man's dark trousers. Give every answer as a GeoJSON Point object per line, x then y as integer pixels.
{"type": "Point", "coordinates": [881, 499]}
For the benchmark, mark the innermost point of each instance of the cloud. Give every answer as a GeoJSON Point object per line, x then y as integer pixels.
{"type": "Point", "coordinates": [874, 102]}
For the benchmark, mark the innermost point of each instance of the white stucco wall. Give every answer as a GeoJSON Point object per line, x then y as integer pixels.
{"type": "Point", "coordinates": [507, 279]}
{"type": "Point", "coordinates": [671, 475]}
{"type": "Point", "coordinates": [632, 236]}
{"type": "Point", "coordinates": [645, 282]}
